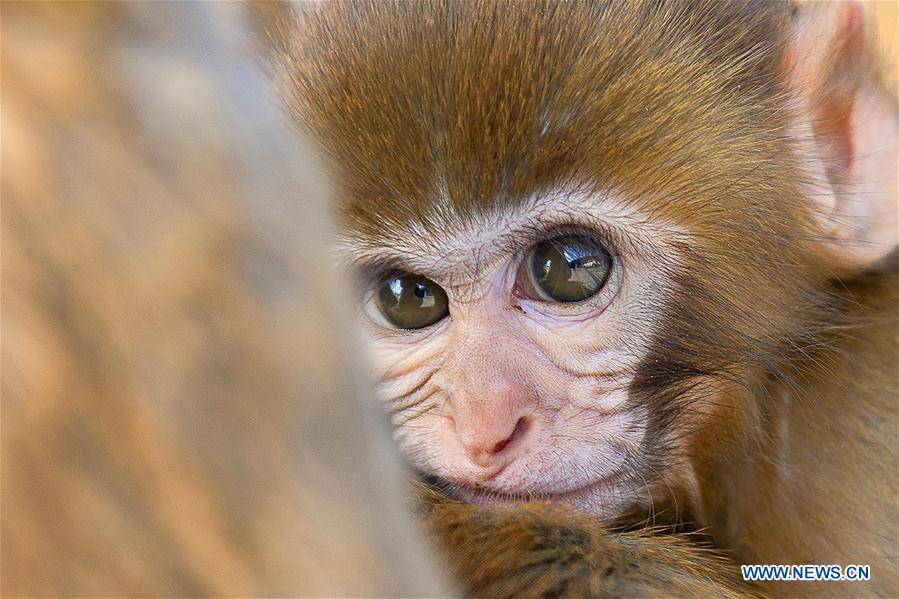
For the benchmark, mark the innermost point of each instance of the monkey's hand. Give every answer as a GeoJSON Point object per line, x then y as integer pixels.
{"type": "Point", "coordinates": [546, 550]}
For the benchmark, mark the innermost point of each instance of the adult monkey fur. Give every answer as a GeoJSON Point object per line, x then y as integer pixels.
{"type": "Point", "coordinates": [729, 170]}
{"type": "Point", "coordinates": [174, 423]}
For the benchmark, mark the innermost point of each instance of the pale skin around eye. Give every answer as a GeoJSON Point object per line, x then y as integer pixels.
{"type": "Point", "coordinates": [561, 269]}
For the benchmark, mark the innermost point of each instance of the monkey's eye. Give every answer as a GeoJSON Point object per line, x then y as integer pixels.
{"type": "Point", "coordinates": [407, 301]}
{"type": "Point", "coordinates": [567, 269]}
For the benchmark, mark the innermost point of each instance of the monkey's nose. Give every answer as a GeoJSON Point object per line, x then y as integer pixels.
{"type": "Point", "coordinates": [491, 445]}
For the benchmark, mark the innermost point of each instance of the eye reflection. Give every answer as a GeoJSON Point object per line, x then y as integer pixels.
{"type": "Point", "coordinates": [565, 269]}
{"type": "Point", "coordinates": [408, 301]}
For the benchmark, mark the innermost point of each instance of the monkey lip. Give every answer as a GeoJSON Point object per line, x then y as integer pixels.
{"type": "Point", "coordinates": [585, 496]}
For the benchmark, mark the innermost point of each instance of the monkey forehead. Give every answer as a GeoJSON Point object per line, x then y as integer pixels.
{"type": "Point", "coordinates": [424, 105]}
{"type": "Point", "coordinates": [461, 244]}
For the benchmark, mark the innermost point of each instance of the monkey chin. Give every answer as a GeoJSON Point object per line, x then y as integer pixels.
{"type": "Point", "coordinates": [606, 498]}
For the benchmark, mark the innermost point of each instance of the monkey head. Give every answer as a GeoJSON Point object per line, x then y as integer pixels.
{"type": "Point", "coordinates": [589, 233]}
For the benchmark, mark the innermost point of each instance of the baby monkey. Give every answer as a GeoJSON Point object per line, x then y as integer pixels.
{"type": "Point", "coordinates": [633, 257]}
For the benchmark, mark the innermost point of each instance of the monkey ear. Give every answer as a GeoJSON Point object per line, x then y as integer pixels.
{"type": "Point", "coordinates": [848, 119]}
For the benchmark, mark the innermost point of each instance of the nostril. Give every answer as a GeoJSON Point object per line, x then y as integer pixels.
{"type": "Point", "coordinates": [520, 427]}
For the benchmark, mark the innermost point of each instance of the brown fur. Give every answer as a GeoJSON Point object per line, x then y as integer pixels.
{"type": "Point", "coordinates": [776, 360]}
{"type": "Point", "coordinates": [545, 550]}
{"type": "Point", "coordinates": [173, 424]}
{"type": "Point", "coordinates": [824, 457]}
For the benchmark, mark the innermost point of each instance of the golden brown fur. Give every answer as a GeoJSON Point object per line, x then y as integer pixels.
{"type": "Point", "coordinates": [545, 550]}
{"type": "Point", "coordinates": [825, 474]}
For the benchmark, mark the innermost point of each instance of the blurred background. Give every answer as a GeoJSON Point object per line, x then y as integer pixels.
{"type": "Point", "coordinates": [886, 18]}
{"type": "Point", "coordinates": [182, 412]}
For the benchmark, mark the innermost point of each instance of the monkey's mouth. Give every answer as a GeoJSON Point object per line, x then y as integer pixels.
{"type": "Point", "coordinates": [594, 496]}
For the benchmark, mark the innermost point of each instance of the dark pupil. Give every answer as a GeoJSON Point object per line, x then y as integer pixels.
{"type": "Point", "coordinates": [570, 269]}
{"type": "Point", "coordinates": [412, 301]}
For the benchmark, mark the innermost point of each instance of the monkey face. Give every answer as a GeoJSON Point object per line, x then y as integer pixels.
{"type": "Point", "coordinates": [584, 242]}
{"type": "Point", "coordinates": [507, 363]}
{"type": "Point", "coordinates": [577, 347]}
